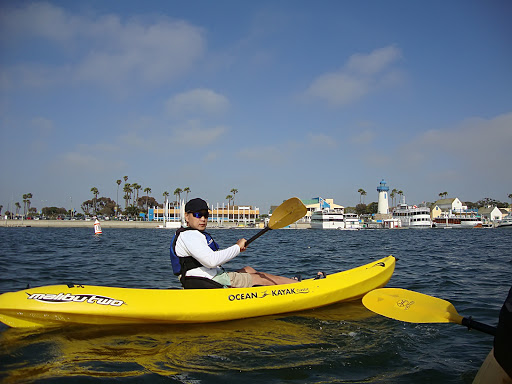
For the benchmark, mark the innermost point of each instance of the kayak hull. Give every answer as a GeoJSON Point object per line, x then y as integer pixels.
{"type": "Point", "coordinates": [59, 305]}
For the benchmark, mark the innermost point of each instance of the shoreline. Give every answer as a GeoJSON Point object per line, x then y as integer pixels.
{"type": "Point", "coordinates": [113, 224]}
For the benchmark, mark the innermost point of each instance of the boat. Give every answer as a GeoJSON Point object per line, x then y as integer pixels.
{"type": "Point", "coordinates": [412, 216]}
{"type": "Point", "coordinates": [59, 305]}
{"type": "Point", "coordinates": [352, 222]}
{"type": "Point", "coordinates": [464, 220]}
{"type": "Point", "coordinates": [506, 222]}
{"type": "Point", "coordinates": [334, 218]}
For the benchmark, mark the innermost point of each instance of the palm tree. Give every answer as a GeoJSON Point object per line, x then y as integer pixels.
{"type": "Point", "coordinates": [118, 182]}
{"type": "Point", "coordinates": [187, 190]}
{"type": "Point", "coordinates": [24, 205]}
{"type": "Point", "coordinates": [393, 193]}
{"type": "Point", "coordinates": [95, 192]}
{"type": "Point", "coordinates": [362, 193]}
{"type": "Point", "coordinates": [229, 198]}
{"type": "Point", "coordinates": [509, 196]}
{"type": "Point", "coordinates": [443, 194]}
{"type": "Point", "coordinates": [234, 191]}
{"type": "Point", "coordinates": [127, 194]}
{"type": "Point", "coordinates": [148, 191]}
{"type": "Point", "coordinates": [177, 192]}
{"type": "Point", "coordinates": [400, 193]}
{"type": "Point", "coordinates": [18, 206]}
{"type": "Point", "coordinates": [29, 196]}
{"type": "Point", "coordinates": [136, 187]}
{"type": "Point", "coordinates": [1, 207]}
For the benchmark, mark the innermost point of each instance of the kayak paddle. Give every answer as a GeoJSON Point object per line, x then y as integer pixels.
{"type": "Point", "coordinates": [413, 307]}
{"type": "Point", "coordinates": [287, 213]}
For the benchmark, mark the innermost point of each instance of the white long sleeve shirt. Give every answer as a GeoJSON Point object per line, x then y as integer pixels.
{"type": "Point", "coordinates": [193, 243]}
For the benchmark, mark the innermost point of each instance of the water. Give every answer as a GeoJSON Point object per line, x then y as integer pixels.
{"type": "Point", "coordinates": [343, 343]}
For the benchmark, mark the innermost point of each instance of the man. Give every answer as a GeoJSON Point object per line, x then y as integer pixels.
{"type": "Point", "coordinates": [197, 259]}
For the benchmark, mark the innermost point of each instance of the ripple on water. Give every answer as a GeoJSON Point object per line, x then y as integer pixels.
{"type": "Point", "coordinates": [340, 343]}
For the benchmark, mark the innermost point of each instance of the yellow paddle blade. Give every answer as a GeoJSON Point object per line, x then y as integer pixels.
{"type": "Point", "coordinates": [412, 307]}
{"type": "Point", "coordinates": [287, 213]}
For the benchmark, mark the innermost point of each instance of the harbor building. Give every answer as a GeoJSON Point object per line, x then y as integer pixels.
{"type": "Point", "coordinates": [219, 213]}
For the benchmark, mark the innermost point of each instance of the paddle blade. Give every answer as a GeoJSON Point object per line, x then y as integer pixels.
{"type": "Point", "coordinates": [287, 213]}
{"type": "Point", "coordinates": [412, 307]}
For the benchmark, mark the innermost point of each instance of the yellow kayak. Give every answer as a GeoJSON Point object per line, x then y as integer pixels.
{"type": "Point", "coordinates": [58, 305]}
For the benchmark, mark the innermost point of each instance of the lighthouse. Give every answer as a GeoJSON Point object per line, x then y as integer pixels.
{"type": "Point", "coordinates": [383, 207]}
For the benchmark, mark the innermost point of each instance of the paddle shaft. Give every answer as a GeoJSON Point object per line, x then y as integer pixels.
{"type": "Point", "coordinates": [473, 324]}
{"type": "Point", "coordinates": [257, 235]}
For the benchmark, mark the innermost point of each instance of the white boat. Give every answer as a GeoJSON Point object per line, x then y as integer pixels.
{"type": "Point", "coordinates": [351, 221]}
{"type": "Point", "coordinates": [462, 220]}
{"type": "Point", "coordinates": [334, 219]}
{"type": "Point", "coordinates": [506, 222]}
{"type": "Point", "coordinates": [413, 216]}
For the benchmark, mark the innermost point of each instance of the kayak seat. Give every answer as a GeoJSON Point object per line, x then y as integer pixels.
{"type": "Point", "coordinates": [195, 282]}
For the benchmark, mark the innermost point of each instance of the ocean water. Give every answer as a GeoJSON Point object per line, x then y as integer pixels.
{"type": "Point", "coordinates": [342, 343]}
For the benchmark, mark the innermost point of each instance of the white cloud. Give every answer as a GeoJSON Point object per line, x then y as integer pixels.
{"type": "Point", "coordinates": [193, 135]}
{"type": "Point", "coordinates": [361, 75]}
{"type": "Point", "coordinates": [41, 20]}
{"type": "Point", "coordinates": [105, 51]}
{"type": "Point", "coordinates": [197, 102]}
{"type": "Point", "coordinates": [481, 146]}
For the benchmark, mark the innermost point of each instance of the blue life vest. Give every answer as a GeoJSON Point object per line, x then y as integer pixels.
{"type": "Point", "coordinates": [180, 265]}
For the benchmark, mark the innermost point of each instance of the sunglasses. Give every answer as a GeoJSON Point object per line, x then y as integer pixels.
{"type": "Point", "coordinates": [200, 214]}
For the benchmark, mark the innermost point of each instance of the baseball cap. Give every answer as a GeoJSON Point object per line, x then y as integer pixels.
{"type": "Point", "coordinates": [196, 205]}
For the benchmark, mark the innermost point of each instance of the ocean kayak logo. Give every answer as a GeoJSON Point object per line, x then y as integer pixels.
{"type": "Point", "coordinates": [69, 298]}
{"type": "Point", "coordinates": [274, 292]}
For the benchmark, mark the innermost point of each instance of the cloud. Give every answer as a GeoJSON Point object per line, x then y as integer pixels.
{"type": "Point", "coordinates": [197, 102]}
{"type": "Point", "coordinates": [363, 138]}
{"type": "Point", "coordinates": [360, 76]}
{"type": "Point", "coordinates": [481, 146]}
{"type": "Point", "coordinates": [322, 140]}
{"type": "Point", "coordinates": [104, 50]}
{"type": "Point", "coordinates": [193, 135]}
{"type": "Point", "coordinates": [175, 139]}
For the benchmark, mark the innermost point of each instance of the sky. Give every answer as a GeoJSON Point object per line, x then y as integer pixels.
{"type": "Point", "coordinates": [272, 98]}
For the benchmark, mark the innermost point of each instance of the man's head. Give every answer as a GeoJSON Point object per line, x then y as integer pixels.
{"type": "Point", "coordinates": [196, 213]}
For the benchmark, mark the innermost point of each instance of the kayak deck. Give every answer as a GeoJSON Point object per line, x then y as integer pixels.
{"type": "Point", "coordinates": [82, 304]}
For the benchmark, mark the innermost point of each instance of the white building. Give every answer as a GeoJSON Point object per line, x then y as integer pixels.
{"type": "Point", "coordinates": [490, 213]}
{"type": "Point", "coordinates": [383, 206]}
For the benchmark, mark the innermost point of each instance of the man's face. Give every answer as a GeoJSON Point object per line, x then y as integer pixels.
{"type": "Point", "coordinates": [198, 220]}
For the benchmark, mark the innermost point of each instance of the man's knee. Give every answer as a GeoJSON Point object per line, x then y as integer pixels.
{"type": "Point", "coordinates": [247, 269]}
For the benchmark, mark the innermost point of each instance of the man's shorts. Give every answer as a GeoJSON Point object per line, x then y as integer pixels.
{"type": "Point", "coordinates": [234, 279]}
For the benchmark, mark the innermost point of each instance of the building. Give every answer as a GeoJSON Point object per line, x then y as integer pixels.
{"type": "Point", "coordinates": [490, 214]}
{"type": "Point", "coordinates": [317, 204]}
{"type": "Point", "coordinates": [219, 213]}
{"type": "Point", "coordinates": [447, 205]}
{"type": "Point", "coordinates": [383, 205]}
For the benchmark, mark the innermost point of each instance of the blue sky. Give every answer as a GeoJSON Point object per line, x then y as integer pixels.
{"type": "Point", "coordinates": [273, 98]}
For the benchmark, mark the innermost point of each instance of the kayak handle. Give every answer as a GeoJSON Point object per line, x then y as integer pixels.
{"type": "Point", "coordinates": [473, 324]}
